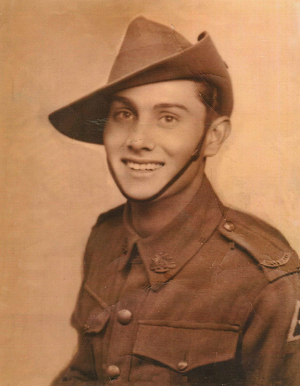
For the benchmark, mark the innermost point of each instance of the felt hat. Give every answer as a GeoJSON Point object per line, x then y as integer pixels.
{"type": "Point", "coordinates": [150, 52]}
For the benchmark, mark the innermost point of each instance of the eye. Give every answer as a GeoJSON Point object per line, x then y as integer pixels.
{"type": "Point", "coordinates": [168, 120]}
{"type": "Point", "coordinates": [122, 115]}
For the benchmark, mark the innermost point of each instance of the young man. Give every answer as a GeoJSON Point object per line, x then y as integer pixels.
{"type": "Point", "coordinates": [177, 288]}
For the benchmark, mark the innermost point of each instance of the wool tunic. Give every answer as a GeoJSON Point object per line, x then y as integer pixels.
{"type": "Point", "coordinates": [211, 299]}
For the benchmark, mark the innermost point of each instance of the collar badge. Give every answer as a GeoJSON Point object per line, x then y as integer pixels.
{"type": "Point", "coordinates": [161, 263]}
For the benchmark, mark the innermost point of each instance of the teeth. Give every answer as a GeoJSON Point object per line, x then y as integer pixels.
{"type": "Point", "coordinates": [144, 166]}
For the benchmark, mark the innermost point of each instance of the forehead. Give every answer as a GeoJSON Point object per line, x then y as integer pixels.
{"type": "Point", "coordinates": [183, 92]}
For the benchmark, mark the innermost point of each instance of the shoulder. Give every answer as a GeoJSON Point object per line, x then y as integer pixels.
{"type": "Point", "coordinates": [107, 231]}
{"type": "Point", "coordinates": [115, 214]}
{"type": "Point", "coordinates": [107, 223]}
{"type": "Point", "coordinates": [267, 246]}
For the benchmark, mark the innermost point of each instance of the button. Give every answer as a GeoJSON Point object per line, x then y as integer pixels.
{"type": "Point", "coordinates": [182, 365]}
{"type": "Point", "coordinates": [229, 226]}
{"type": "Point", "coordinates": [113, 371]}
{"type": "Point", "coordinates": [124, 316]}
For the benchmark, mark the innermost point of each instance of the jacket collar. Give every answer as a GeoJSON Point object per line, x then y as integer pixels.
{"type": "Point", "coordinates": [167, 251]}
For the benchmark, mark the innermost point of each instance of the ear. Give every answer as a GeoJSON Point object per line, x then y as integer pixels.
{"type": "Point", "coordinates": [217, 133]}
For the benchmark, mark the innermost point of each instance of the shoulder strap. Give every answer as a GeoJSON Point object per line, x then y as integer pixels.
{"type": "Point", "coordinates": [263, 242]}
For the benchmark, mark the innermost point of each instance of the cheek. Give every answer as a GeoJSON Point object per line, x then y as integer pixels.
{"type": "Point", "coordinates": [112, 139]}
{"type": "Point", "coordinates": [110, 147]}
{"type": "Point", "coordinates": [181, 147]}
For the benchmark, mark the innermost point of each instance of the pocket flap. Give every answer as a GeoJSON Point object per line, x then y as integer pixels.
{"type": "Point", "coordinates": [185, 348]}
{"type": "Point", "coordinates": [96, 320]}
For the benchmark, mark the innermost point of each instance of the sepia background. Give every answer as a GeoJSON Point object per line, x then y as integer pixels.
{"type": "Point", "coordinates": [55, 51]}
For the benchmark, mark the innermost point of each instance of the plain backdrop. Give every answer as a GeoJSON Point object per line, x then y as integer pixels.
{"type": "Point", "coordinates": [55, 51]}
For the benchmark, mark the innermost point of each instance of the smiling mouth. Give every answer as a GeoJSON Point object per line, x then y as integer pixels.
{"type": "Point", "coordinates": [143, 166]}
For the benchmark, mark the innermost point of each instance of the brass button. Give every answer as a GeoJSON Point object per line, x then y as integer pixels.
{"type": "Point", "coordinates": [182, 365]}
{"type": "Point", "coordinates": [124, 316]}
{"type": "Point", "coordinates": [229, 226]}
{"type": "Point", "coordinates": [113, 371]}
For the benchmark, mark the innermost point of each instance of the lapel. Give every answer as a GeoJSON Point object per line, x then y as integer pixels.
{"type": "Point", "coordinates": [166, 252]}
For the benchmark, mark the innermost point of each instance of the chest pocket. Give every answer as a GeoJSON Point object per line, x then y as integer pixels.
{"type": "Point", "coordinates": [185, 346]}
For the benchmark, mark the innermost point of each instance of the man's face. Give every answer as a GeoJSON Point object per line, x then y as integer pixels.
{"type": "Point", "coordinates": [151, 133]}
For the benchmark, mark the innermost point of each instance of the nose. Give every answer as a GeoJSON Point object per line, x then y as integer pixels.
{"type": "Point", "coordinates": [139, 138]}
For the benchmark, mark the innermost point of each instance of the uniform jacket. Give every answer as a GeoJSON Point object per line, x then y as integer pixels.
{"type": "Point", "coordinates": [211, 299]}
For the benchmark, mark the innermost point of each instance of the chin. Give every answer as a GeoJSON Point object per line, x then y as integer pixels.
{"type": "Point", "coordinates": [139, 194]}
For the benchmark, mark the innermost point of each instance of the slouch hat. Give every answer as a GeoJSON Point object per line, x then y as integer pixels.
{"type": "Point", "coordinates": [150, 53]}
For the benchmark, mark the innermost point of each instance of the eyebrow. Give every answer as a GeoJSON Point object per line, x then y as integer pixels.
{"type": "Point", "coordinates": [130, 103]}
{"type": "Point", "coordinates": [169, 105]}
{"type": "Point", "coordinates": [117, 98]}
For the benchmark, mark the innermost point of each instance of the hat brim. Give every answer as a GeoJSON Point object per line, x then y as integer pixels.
{"type": "Point", "coordinates": [84, 119]}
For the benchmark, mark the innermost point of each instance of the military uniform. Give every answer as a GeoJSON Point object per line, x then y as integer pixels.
{"type": "Point", "coordinates": [211, 299]}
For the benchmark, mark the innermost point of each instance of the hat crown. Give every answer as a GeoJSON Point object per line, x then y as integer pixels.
{"type": "Point", "coordinates": [145, 43]}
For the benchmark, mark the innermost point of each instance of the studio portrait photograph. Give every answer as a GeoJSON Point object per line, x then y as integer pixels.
{"type": "Point", "coordinates": [150, 201]}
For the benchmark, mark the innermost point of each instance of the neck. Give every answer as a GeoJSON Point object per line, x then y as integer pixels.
{"type": "Point", "coordinates": [150, 217]}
